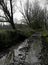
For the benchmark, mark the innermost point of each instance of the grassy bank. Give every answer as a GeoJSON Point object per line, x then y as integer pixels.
{"type": "Point", "coordinates": [9, 38]}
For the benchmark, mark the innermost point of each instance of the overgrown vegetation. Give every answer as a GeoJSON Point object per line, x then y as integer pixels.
{"type": "Point", "coordinates": [10, 38]}
{"type": "Point", "coordinates": [35, 20]}
{"type": "Point", "coordinates": [44, 52]}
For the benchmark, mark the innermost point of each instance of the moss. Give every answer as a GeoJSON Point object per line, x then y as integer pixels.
{"type": "Point", "coordinates": [45, 33]}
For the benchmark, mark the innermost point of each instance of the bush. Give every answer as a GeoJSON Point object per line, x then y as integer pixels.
{"type": "Point", "coordinates": [9, 38]}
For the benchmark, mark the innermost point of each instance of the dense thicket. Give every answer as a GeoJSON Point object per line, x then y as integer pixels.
{"type": "Point", "coordinates": [10, 38]}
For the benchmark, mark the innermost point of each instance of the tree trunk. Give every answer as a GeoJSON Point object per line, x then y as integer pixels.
{"type": "Point", "coordinates": [12, 24]}
{"type": "Point", "coordinates": [11, 18]}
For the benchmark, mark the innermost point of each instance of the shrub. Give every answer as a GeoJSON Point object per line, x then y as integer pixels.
{"type": "Point", "coordinates": [9, 38]}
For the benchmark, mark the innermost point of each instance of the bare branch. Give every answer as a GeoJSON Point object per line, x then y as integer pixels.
{"type": "Point", "coordinates": [8, 17]}
{"type": "Point", "coordinates": [3, 17]}
{"type": "Point", "coordinates": [3, 21]}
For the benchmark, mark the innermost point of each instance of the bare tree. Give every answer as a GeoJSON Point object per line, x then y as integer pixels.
{"type": "Point", "coordinates": [33, 14]}
{"type": "Point", "coordinates": [39, 17]}
{"type": "Point", "coordinates": [25, 11]}
{"type": "Point", "coordinates": [8, 16]}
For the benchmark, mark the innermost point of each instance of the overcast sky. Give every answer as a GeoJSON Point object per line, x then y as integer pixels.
{"type": "Point", "coordinates": [17, 14]}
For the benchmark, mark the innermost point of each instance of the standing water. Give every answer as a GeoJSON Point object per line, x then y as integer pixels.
{"type": "Point", "coordinates": [27, 52]}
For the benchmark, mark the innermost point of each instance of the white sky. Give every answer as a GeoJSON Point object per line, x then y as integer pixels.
{"type": "Point", "coordinates": [17, 14]}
